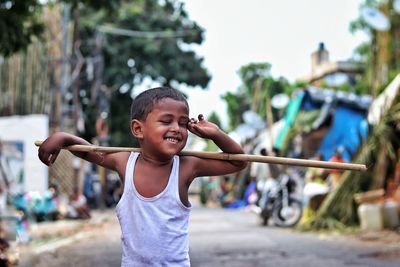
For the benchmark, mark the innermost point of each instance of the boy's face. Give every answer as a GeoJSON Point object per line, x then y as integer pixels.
{"type": "Point", "coordinates": [164, 132]}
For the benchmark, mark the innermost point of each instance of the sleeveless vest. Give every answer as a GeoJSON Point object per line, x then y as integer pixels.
{"type": "Point", "coordinates": [154, 230]}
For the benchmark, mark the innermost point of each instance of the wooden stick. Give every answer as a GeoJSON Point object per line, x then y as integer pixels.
{"type": "Point", "coordinates": [227, 156]}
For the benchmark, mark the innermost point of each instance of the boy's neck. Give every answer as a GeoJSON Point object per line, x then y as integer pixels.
{"type": "Point", "coordinates": [154, 161]}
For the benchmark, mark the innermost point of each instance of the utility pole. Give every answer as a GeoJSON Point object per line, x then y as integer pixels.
{"type": "Point", "coordinates": [101, 100]}
{"type": "Point", "coordinates": [64, 66]}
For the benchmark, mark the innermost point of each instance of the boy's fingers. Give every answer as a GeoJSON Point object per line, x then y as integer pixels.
{"type": "Point", "coordinates": [44, 157]}
{"type": "Point", "coordinates": [53, 157]}
{"type": "Point", "coordinates": [40, 154]}
{"type": "Point", "coordinates": [47, 157]}
{"type": "Point", "coordinates": [193, 129]}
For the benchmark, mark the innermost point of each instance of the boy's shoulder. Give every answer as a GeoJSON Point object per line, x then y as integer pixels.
{"type": "Point", "coordinates": [187, 161]}
{"type": "Point", "coordinates": [119, 160]}
{"type": "Point", "coordinates": [187, 165]}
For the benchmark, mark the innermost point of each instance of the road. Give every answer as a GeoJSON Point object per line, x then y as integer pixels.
{"type": "Point", "coordinates": [232, 238]}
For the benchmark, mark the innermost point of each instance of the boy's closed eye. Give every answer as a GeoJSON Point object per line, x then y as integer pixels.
{"type": "Point", "coordinates": [166, 122]}
{"type": "Point", "coordinates": [184, 122]}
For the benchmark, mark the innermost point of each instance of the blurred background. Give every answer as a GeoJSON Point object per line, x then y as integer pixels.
{"type": "Point", "coordinates": [303, 79]}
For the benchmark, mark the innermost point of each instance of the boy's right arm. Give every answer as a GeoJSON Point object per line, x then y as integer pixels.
{"type": "Point", "coordinates": [52, 146]}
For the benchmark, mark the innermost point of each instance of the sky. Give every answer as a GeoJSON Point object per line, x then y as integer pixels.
{"type": "Point", "coordinates": [283, 33]}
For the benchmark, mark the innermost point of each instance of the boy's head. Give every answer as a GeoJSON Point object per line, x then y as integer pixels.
{"type": "Point", "coordinates": [159, 121]}
{"type": "Point", "coordinates": [144, 102]}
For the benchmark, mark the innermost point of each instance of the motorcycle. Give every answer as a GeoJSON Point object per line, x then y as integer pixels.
{"type": "Point", "coordinates": [278, 201]}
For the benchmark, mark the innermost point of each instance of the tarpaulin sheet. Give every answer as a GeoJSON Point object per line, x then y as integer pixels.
{"type": "Point", "coordinates": [349, 130]}
{"type": "Point", "coordinates": [290, 116]}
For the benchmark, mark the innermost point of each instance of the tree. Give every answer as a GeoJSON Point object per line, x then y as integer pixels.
{"type": "Point", "coordinates": [108, 5]}
{"type": "Point", "coordinates": [257, 85]}
{"type": "Point", "coordinates": [154, 45]}
{"type": "Point", "coordinates": [143, 40]}
{"type": "Point", "coordinates": [20, 20]}
{"type": "Point", "coordinates": [19, 24]}
{"type": "Point", "coordinates": [214, 118]}
{"type": "Point", "coordinates": [379, 151]}
{"type": "Point", "coordinates": [381, 52]}
{"type": "Point", "coordinates": [237, 104]}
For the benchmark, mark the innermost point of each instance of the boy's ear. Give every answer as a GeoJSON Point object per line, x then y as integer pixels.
{"type": "Point", "coordinates": [137, 128]}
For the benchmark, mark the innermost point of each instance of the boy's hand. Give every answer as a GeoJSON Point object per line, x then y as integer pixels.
{"type": "Point", "coordinates": [50, 149]}
{"type": "Point", "coordinates": [208, 167]}
{"type": "Point", "coordinates": [203, 128]}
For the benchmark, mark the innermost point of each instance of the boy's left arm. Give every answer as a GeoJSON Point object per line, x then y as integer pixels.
{"type": "Point", "coordinates": [209, 130]}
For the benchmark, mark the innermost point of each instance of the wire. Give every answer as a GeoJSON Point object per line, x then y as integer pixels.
{"type": "Point", "coordinates": [141, 34]}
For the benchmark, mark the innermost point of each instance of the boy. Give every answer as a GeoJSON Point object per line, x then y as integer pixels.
{"type": "Point", "coordinates": [154, 209]}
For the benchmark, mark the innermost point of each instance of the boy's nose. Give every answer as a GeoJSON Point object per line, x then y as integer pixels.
{"type": "Point", "coordinates": [175, 126]}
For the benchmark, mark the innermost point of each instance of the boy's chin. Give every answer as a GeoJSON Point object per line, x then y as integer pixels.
{"type": "Point", "coordinates": [173, 150]}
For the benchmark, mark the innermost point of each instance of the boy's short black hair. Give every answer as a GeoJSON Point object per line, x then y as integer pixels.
{"type": "Point", "coordinates": [144, 102]}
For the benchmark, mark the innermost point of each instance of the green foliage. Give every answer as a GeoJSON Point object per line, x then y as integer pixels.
{"type": "Point", "coordinates": [257, 85]}
{"type": "Point", "coordinates": [214, 118]}
{"type": "Point", "coordinates": [20, 20]}
{"type": "Point", "coordinates": [363, 53]}
{"type": "Point", "coordinates": [251, 73]}
{"type": "Point", "coordinates": [287, 142]}
{"type": "Point", "coordinates": [270, 88]}
{"type": "Point", "coordinates": [161, 59]}
{"type": "Point", "coordinates": [359, 24]}
{"type": "Point", "coordinates": [145, 39]}
{"type": "Point", "coordinates": [164, 59]}
{"type": "Point", "coordinates": [108, 5]}
{"type": "Point", "coordinates": [237, 104]}
{"type": "Point", "coordinates": [19, 24]}
{"type": "Point", "coordinates": [302, 124]}
{"type": "Point", "coordinates": [120, 121]}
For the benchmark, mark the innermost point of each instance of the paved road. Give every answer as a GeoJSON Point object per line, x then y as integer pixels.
{"type": "Point", "coordinates": [232, 238]}
{"type": "Point", "coordinates": [227, 238]}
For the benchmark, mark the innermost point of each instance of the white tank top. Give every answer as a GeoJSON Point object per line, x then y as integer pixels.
{"type": "Point", "coordinates": [154, 230]}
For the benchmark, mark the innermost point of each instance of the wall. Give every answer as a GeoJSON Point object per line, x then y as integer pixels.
{"type": "Point", "coordinates": [26, 130]}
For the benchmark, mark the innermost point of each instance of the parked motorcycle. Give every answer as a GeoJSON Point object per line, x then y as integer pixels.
{"type": "Point", "coordinates": [278, 201]}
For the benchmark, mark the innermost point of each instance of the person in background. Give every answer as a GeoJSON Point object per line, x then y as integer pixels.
{"type": "Point", "coordinates": [50, 204]}
{"type": "Point", "coordinates": [78, 208]}
{"type": "Point", "coordinates": [260, 171]}
{"type": "Point", "coordinates": [226, 195]}
{"type": "Point", "coordinates": [336, 174]}
{"type": "Point", "coordinates": [316, 175]}
{"type": "Point", "coordinates": [315, 190]}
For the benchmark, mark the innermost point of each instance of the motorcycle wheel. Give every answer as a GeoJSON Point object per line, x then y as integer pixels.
{"type": "Point", "coordinates": [287, 216]}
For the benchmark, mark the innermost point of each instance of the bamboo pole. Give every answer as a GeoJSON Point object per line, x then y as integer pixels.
{"type": "Point", "coordinates": [227, 156]}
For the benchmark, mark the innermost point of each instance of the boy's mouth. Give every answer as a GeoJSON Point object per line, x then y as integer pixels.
{"type": "Point", "coordinates": [173, 140]}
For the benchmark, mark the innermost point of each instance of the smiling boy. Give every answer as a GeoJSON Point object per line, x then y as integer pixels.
{"type": "Point", "coordinates": [154, 209]}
